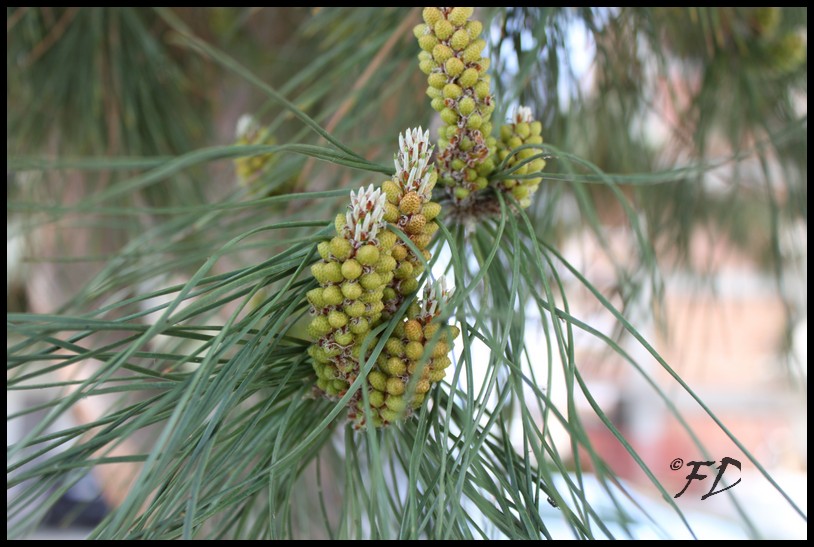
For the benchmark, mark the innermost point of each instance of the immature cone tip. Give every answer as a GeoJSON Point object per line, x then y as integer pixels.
{"type": "Point", "coordinates": [246, 126]}
{"type": "Point", "coordinates": [523, 114]}
{"type": "Point", "coordinates": [365, 213]}
{"type": "Point", "coordinates": [435, 296]}
{"type": "Point", "coordinates": [413, 167]}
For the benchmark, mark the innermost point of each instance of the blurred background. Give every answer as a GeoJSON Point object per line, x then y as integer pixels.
{"type": "Point", "coordinates": [696, 116]}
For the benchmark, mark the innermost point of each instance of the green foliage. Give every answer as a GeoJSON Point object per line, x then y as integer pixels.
{"type": "Point", "coordinates": [195, 327]}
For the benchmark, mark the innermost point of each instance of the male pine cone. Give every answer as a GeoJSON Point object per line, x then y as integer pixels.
{"type": "Point", "coordinates": [524, 130]}
{"type": "Point", "coordinates": [409, 207]}
{"type": "Point", "coordinates": [355, 268]}
{"type": "Point", "coordinates": [451, 57]}
{"type": "Point", "coordinates": [365, 273]}
{"type": "Point", "coordinates": [413, 360]}
{"type": "Point", "coordinates": [249, 132]}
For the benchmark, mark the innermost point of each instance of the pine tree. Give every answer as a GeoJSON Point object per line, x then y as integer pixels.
{"type": "Point", "coordinates": [269, 355]}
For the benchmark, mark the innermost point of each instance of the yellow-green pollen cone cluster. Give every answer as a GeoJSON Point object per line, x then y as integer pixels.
{"type": "Point", "coordinates": [365, 273]}
{"type": "Point", "coordinates": [452, 59]}
{"type": "Point", "coordinates": [524, 129]}
{"type": "Point", "coordinates": [250, 132]}
{"type": "Point", "coordinates": [414, 358]}
{"type": "Point", "coordinates": [409, 207]}
{"type": "Point", "coordinates": [787, 53]}
{"type": "Point", "coordinates": [356, 267]}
